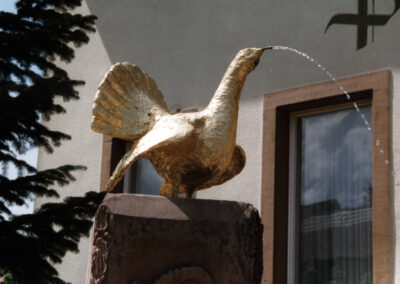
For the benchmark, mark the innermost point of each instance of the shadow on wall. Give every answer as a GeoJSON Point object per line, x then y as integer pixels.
{"type": "Point", "coordinates": [186, 46]}
{"type": "Point", "coordinates": [363, 20]}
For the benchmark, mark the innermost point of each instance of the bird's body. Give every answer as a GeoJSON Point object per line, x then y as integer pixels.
{"type": "Point", "coordinates": [191, 151]}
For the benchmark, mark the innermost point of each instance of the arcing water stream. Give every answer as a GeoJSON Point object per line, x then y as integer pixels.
{"type": "Point", "coordinates": [329, 74]}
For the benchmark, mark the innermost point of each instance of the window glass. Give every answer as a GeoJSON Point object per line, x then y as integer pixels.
{"type": "Point", "coordinates": [333, 198]}
{"type": "Point", "coordinates": [142, 177]}
{"type": "Point", "coordinates": [147, 179]}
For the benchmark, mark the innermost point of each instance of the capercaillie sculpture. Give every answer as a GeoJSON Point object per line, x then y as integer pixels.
{"type": "Point", "coordinates": [191, 151]}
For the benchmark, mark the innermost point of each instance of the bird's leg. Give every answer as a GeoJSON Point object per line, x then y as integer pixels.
{"type": "Point", "coordinates": [175, 191]}
{"type": "Point", "coordinates": [188, 193]}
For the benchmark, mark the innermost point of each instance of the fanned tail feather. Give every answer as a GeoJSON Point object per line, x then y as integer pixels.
{"type": "Point", "coordinates": [127, 103]}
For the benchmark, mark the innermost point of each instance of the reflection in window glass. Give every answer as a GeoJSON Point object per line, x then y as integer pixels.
{"type": "Point", "coordinates": [141, 177]}
{"type": "Point", "coordinates": [333, 215]}
{"type": "Point", "coordinates": [147, 179]}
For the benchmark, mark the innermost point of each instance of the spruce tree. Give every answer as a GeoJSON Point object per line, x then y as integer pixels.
{"type": "Point", "coordinates": [33, 41]}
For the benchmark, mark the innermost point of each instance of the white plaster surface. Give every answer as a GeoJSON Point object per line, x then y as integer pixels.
{"type": "Point", "coordinates": [186, 46]}
{"type": "Point", "coordinates": [84, 148]}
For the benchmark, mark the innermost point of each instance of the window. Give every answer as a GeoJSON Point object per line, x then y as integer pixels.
{"type": "Point", "coordinates": [325, 199]}
{"type": "Point", "coordinates": [330, 219]}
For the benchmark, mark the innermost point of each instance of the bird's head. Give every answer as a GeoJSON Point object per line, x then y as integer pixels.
{"type": "Point", "coordinates": [247, 59]}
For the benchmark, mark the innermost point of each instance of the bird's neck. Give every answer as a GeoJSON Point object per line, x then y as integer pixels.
{"type": "Point", "coordinates": [226, 97]}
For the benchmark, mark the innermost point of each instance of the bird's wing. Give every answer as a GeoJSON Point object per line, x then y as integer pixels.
{"type": "Point", "coordinates": [163, 134]}
{"type": "Point", "coordinates": [127, 103]}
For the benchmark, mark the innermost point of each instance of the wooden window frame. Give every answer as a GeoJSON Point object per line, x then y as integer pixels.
{"type": "Point", "coordinates": [275, 166]}
{"type": "Point", "coordinates": [113, 150]}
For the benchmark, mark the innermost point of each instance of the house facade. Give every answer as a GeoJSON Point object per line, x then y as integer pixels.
{"type": "Point", "coordinates": [321, 167]}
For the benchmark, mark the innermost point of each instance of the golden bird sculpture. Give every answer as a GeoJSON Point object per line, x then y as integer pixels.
{"type": "Point", "coordinates": [190, 151]}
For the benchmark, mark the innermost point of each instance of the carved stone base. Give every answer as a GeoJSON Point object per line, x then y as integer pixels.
{"type": "Point", "coordinates": [140, 239]}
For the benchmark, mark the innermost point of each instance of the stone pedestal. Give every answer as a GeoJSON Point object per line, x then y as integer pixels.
{"type": "Point", "coordinates": [152, 239]}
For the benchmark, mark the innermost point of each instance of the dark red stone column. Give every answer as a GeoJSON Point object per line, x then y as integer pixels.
{"type": "Point", "coordinates": [152, 239]}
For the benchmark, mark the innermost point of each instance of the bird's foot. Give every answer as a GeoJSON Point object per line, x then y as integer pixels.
{"type": "Point", "coordinates": [175, 191]}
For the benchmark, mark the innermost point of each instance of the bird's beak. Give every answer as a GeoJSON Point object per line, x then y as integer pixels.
{"type": "Point", "coordinates": [265, 48]}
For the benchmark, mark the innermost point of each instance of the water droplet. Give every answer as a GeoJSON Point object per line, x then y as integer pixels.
{"type": "Point", "coordinates": [378, 142]}
{"type": "Point", "coordinates": [381, 151]}
{"type": "Point", "coordinates": [387, 162]}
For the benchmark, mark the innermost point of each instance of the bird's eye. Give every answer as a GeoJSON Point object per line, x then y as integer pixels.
{"type": "Point", "coordinates": [256, 62]}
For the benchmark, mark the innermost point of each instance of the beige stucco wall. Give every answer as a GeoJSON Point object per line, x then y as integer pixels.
{"type": "Point", "coordinates": [186, 46]}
